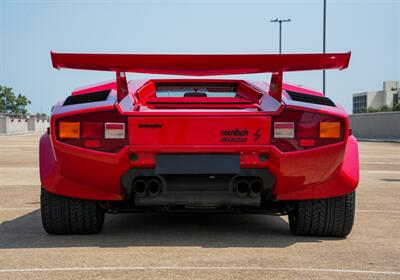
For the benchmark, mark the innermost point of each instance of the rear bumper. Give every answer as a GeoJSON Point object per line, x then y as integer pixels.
{"type": "Point", "coordinates": [333, 171]}
{"type": "Point", "coordinates": [310, 174]}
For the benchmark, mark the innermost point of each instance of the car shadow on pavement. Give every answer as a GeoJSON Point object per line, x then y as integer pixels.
{"type": "Point", "coordinates": [161, 229]}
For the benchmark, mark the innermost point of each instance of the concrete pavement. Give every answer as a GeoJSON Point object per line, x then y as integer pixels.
{"type": "Point", "coordinates": [198, 246]}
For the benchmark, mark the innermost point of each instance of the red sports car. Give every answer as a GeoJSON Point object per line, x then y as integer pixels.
{"type": "Point", "coordinates": [223, 145]}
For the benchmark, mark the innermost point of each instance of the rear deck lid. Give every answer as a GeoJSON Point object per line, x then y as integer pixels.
{"type": "Point", "coordinates": [199, 130]}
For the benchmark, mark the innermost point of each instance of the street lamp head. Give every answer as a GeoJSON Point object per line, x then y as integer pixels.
{"type": "Point", "coordinates": [280, 20]}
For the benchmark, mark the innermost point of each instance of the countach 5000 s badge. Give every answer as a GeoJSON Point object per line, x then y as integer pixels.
{"type": "Point", "coordinates": [236, 135]}
{"type": "Point", "coordinates": [150, 125]}
{"type": "Point", "coordinates": [239, 135]}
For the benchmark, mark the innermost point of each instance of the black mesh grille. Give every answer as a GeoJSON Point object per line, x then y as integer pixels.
{"type": "Point", "coordinates": [310, 98]}
{"type": "Point", "coordinates": [197, 182]}
{"type": "Point", "coordinates": [87, 97]}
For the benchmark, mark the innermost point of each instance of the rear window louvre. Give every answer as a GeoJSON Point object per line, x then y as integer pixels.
{"type": "Point", "coordinates": [297, 96]}
{"type": "Point", "coordinates": [198, 100]}
{"type": "Point", "coordinates": [209, 90]}
{"type": "Point", "coordinates": [87, 97]}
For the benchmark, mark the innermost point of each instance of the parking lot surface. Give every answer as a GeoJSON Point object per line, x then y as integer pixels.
{"type": "Point", "coordinates": [198, 246]}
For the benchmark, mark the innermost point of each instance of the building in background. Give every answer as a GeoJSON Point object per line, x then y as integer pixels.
{"type": "Point", "coordinates": [384, 100]}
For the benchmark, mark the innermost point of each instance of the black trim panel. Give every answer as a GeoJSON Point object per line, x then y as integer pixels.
{"type": "Point", "coordinates": [297, 96]}
{"type": "Point", "coordinates": [87, 97]}
{"type": "Point", "coordinates": [197, 164]}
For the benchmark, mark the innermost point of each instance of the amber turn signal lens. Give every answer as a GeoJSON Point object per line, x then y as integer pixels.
{"type": "Point", "coordinates": [69, 130]}
{"type": "Point", "coordinates": [329, 130]}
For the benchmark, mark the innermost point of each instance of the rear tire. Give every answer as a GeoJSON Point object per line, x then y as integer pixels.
{"type": "Point", "coordinates": [65, 215]}
{"type": "Point", "coordinates": [324, 217]}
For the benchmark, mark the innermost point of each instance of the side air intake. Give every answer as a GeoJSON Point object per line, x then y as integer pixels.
{"type": "Point", "coordinates": [310, 98]}
{"type": "Point", "coordinates": [87, 97]}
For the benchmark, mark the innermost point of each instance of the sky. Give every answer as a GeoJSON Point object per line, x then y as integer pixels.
{"type": "Point", "coordinates": [30, 29]}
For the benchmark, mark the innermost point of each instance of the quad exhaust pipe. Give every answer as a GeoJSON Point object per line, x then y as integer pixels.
{"type": "Point", "coordinates": [147, 186]}
{"type": "Point", "coordinates": [140, 188]}
{"type": "Point", "coordinates": [153, 187]}
{"type": "Point", "coordinates": [256, 187]}
{"type": "Point", "coordinates": [248, 187]}
{"type": "Point", "coordinates": [242, 187]}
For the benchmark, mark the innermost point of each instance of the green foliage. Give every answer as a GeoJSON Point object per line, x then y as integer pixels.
{"type": "Point", "coordinates": [40, 114]}
{"type": "Point", "coordinates": [9, 103]}
{"type": "Point", "coordinates": [385, 108]}
{"type": "Point", "coordinates": [372, 110]}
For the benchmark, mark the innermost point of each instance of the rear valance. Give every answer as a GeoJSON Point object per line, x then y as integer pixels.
{"type": "Point", "coordinates": [201, 65]}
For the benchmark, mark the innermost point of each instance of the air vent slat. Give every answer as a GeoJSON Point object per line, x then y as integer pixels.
{"type": "Point", "coordinates": [297, 96]}
{"type": "Point", "coordinates": [87, 97]}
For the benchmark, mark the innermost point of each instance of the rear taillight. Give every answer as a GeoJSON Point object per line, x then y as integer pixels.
{"type": "Point", "coordinates": [284, 130]}
{"type": "Point", "coordinates": [69, 130]}
{"type": "Point", "coordinates": [329, 130]}
{"type": "Point", "coordinates": [92, 130]}
{"type": "Point", "coordinates": [106, 131]}
{"type": "Point", "coordinates": [114, 130]}
{"type": "Point", "coordinates": [296, 130]}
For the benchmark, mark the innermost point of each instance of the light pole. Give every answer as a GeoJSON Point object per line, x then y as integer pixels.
{"type": "Point", "coordinates": [324, 47]}
{"type": "Point", "coordinates": [280, 31]}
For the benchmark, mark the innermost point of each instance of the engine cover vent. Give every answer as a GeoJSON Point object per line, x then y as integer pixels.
{"type": "Point", "coordinates": [297, 96]}
{"type": "Point", "coordinates": [87, 97]}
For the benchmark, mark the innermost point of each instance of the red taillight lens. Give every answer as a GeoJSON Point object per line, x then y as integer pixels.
{"type": "Point", "coordinates": [307, 142]}
{"type": "Point", "coordinates": [106, 131]}
{"type": "Point", "coordinates": [310, 130]}
{"type": "Point", "coordinates": [91, 143]}
{"type": "Point", "coordinates": [92, 130]}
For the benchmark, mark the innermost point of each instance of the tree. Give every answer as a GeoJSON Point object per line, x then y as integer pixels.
{"type": "Point", "coordinates": [384, 108]}
{"type": "Point", "coordinates": [372, 110]}
{"type": "Point", "coordinates": [9, 103]}
{"type": "Point", "coordinates": [40, 115]}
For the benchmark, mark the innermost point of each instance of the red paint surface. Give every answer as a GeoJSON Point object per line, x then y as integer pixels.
{"type": "Point", "coordinates": [199, 130]}
{"type": "Point", "coordinates": [201, 64]}
{"type": "Point", "coordinates": [96, 87]}
{"type": "Point", "coordinates": [315, 172]}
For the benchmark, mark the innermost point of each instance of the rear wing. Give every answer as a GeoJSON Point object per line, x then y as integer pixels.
{"type": "Point", "coordinates": [201, 65]}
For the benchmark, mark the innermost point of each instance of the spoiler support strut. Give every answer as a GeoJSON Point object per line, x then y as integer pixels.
{"type": "Point", "coordinates": [122, 85]}
{"type": "Point", "coordinates": [275, 87]}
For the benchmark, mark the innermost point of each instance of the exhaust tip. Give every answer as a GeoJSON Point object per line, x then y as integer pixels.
{"type": "Point", "coordinates": [256, 187]}
{"type": "Point", "coordinates": [139, 187]}
{"type": "Point", "coordinates": [154, 187]}
{"type": "Point", "coordinates": [242, 187]}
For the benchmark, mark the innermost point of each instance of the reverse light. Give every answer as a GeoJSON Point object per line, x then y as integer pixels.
{"type": "Point", "coordinates": [284, 130]}
{"type": "Point", "coordinates": [329, 130]}
{"type": "Point", "coordinates": [69, 130]}
{"type": "Point", "coordinates": [114, 130]}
